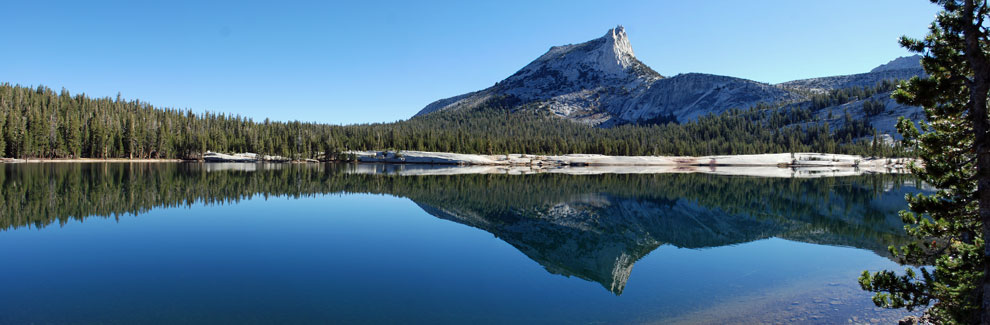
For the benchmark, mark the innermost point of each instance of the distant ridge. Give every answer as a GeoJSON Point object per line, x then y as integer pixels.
{"type": "Point", "coordinates": [904, 62]}
{"type": "Point", "coordinates": [901, 68]}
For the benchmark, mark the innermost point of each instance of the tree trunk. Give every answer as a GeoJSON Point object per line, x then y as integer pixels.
{"type": "Point", "coordinates": [983, 188]}
{"type": "Point", "coordinates": [979, 90]}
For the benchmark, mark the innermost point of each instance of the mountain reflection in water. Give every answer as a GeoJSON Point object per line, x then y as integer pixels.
{"type": "Point", "coordinates": [594, 227]}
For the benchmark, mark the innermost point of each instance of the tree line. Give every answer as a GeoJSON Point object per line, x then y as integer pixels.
{"type": "Point", "coordinates": [42, 123]}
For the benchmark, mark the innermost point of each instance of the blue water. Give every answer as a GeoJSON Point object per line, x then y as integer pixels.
{"type": "Point", "coordinates": [351, 257]}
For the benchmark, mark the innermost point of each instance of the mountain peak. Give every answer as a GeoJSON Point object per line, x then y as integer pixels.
{"type": "Point", "coordinates": [619, 41]}
{"type": "Point", "coordinates": [601, 81]}
{"type": "Point", "coordinates": [610, 56]}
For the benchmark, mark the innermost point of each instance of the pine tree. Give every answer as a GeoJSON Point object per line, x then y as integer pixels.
{"type": "Point", "coordinates": [14, 133]}
{"type": "Point", "coordinates": [951, 225]}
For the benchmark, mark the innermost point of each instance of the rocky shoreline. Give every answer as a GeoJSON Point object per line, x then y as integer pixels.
{"type": "Point", "coordinates": [786, 160]}
{"type": "Point", "coordinates": [774, 165]}
{"type": "Point", "coordinates": [752, 171]}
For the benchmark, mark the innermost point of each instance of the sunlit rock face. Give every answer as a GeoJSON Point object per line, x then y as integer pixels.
{"type": "Point", "coordinates": [600, 82]}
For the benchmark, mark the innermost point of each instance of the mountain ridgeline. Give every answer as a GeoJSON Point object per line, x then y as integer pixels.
{"type": "Point", "coordinates": [592, 98]}
{"type": "Point", "coordinates": [593, 227]}
{"type": "Point", "coordinates": [601, 83]}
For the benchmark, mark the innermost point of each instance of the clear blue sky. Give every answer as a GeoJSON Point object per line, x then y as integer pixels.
{"type": "Point", "coordinates": [371, 61]}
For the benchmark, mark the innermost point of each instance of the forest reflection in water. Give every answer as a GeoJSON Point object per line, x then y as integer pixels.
{"type": "Point", "coordinates": [612, 218]}
{"type": "Point", "coordinates": [593, 227]}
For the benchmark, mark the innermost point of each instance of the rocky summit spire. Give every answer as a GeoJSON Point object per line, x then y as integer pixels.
{"type": "Point", "coordinates": [607, 57]}
{"type": "Point", "coordinates": [616, 37]}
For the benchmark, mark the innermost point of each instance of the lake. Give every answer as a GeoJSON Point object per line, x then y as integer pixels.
{"type": "Point", "coordinates": [325, 243]}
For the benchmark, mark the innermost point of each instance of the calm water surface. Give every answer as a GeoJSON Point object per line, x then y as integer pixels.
{"type": "Point", "coordinates": [193, 243]}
